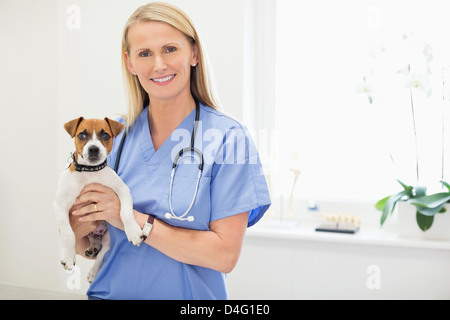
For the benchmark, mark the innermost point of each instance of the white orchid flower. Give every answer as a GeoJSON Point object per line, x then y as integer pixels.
{"type": "Point", "coordinates": [418, 81]}
{"type": "Point", "coordinates": [403, 70]}
{"type": "Point", "coordinates": [428, 52]}
{"type": "Point", "coordinates": [365, 88]}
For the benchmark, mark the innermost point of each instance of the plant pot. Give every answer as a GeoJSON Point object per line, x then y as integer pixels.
{"type": "Point", "coordinates": [408, 228]}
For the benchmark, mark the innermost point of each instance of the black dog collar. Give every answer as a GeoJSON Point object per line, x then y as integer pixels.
{"type": "Point", "coordinates": [84, 168]}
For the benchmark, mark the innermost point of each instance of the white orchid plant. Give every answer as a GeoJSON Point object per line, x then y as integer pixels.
{"type": "Point", "coordinates": [427, 206]}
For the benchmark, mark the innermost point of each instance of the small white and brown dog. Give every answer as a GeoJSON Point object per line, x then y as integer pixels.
{"type": "Point", "coordinates": [93, 142]}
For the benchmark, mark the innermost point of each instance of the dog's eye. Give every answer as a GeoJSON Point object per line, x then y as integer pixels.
{"type": "Point", "coordinates": [82, 135]}
{"type": "Point", "coordinates": [105, 136]}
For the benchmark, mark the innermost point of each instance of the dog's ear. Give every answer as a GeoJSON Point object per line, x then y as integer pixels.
{"type": "Point", "coordinates": [72, 126]}
{"type": "Point", "coordinates": [116, 127]}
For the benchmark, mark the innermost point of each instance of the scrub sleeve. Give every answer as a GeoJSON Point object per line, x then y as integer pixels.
{"type": "Point", "coordinates": [238, 184]}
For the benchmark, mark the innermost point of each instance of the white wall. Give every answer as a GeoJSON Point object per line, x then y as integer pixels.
{"type": "Point", "coordinates": [28, 142]}
{"type": "Point", "coordinates": [51, 74]}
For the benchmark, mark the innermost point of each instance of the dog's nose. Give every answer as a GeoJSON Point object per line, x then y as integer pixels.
{"type": "Point", "coordinates": [93, 151]}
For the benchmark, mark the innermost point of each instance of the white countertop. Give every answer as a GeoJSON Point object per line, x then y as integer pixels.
{"type": "Point", "coordinates": [272, 229]}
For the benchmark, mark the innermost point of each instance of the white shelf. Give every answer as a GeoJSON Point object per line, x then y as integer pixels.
{"type": "Point", "coordinates": [366, 236]}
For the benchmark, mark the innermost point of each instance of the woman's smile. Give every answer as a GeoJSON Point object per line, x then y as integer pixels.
{"type": "Point", "coordinates": [162, 81]}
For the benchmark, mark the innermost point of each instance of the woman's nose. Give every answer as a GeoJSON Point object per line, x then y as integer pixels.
{"type": "Point", "coordinates": [160, 64]}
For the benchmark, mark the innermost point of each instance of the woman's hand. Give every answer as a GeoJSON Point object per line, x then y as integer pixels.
{"type": "Point", "coordinates": [96, 203]}
{"type": "Point", "coordinates": [81, 229]}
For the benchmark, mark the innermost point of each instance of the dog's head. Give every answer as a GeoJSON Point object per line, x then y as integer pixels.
{"type": "Point", "coordinates": [93, 138]}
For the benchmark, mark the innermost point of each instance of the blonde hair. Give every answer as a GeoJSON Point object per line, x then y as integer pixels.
{"type": "Point", "coordinates": [201, 84]}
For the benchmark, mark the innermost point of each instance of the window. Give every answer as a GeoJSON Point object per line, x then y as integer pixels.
{"type": "Point", "coordinates": [351, 142]}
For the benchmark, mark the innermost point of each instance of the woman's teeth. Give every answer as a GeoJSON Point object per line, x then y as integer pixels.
{"type": "Point", "coordinates": [165, 79]}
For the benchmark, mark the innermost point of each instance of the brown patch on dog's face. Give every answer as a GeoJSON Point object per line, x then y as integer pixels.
{"type": "Point", "coordinates": [88, 133]}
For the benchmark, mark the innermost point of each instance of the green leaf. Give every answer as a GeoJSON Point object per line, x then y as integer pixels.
{"type": "Point", "coordinates": [431, 211]}
{"type": "Point", "coordinates": [408, 189]}
{"type": "Point", "coordinates": [380, 204]}
{"type": "Point", "coordinates": [403, 185]}
{"type": "Point", "coordinates": [431, 201]}
{"type": "Point", "coordinates": [424, 222]}
{"type": "Point", "coordinates": [446, 185]}
{"type": "Point", "coordinates": [390, 205]}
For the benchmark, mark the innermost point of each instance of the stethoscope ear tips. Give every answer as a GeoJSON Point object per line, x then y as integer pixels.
{"type": "Point", "coordinates": [168, 215]}
{"type": "Point", "coordinates": [190, 218]}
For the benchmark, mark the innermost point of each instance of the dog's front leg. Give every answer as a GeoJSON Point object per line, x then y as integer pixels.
{"type": "Point", "coordinates": [68, 252]}
{"type": "Point", "coordinates": [132, 229]}
{"type": "Point", "coordinates": [65, 197]}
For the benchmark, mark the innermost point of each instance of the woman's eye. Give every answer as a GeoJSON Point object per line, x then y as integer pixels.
{"type": "Point", "coordinates": [144, 54]}
{"type": "Point", "coordinates": [171, 49]}
{"type": "Point", "coordinates": [82, 136]}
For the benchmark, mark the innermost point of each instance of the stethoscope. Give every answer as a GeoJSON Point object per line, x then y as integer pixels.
{"type": "Point", "coordinates": [192, 151]}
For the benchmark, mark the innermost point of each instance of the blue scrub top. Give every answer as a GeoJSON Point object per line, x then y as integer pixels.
{"type": "Point", "coordinates": [232, 182]}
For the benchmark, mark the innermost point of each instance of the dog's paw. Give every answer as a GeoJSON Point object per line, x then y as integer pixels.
{"type": "Point", "coordinates": [68, 261]}
{"type": "Point", "coordinates": [91, 252]}
{"type": "Point", "coordinates": [92, 274]}
{"type": "Point", "coordinates": [134, 234]}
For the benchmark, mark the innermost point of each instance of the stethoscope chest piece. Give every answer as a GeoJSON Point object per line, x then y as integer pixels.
{"type": "Point", "coordinates": [172, 216]}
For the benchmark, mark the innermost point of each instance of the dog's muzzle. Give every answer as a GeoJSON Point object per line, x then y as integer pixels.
{"type": "Point", "coordinates": [93, 154]}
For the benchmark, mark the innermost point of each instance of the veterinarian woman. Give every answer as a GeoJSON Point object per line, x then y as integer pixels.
{"type": "Point", "coordinates": [198, 224]}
